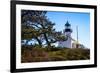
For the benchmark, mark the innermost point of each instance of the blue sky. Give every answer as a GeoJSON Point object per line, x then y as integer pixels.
{"type": "Point", "coordinates": [82, 20]}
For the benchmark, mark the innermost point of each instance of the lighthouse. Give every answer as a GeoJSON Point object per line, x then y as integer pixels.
{"type": "Point", "coordinates": [67, 33]}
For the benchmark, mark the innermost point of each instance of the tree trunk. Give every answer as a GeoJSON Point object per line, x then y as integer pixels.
{"type": "Point", "coordinates": [45, 36]}
{"type": "Point", "coordinates": [39, 42]}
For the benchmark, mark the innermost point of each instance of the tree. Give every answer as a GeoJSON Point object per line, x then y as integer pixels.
{"type": "Point", "coordinates": [36, 25]}
{"type": "Point", "coordinates": [30, 28]}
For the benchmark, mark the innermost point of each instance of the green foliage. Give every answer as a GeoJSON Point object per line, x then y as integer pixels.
{"type": "Point", "coordinates": [36, 25]}
{"type": "Point", "coordinates": [61, 38]}
{"type": "Point", "coordinates": [39, 54]}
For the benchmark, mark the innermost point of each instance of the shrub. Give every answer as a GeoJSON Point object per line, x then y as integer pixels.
{"type": "Point", "coordinates": [40, 54]}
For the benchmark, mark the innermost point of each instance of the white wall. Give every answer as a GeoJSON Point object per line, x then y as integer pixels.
{"type": "Point", "coordinates": [5, 37]}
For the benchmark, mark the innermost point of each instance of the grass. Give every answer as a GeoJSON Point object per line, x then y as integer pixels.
{"type": "Point", "coordinates": [38, 54]}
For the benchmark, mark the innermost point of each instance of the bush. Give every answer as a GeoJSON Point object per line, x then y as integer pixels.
{"type": "Point", "coordinates": [40, 54]}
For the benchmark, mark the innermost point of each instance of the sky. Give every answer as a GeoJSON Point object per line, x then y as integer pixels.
{"type": "Point", "coordinates": [82, 20]}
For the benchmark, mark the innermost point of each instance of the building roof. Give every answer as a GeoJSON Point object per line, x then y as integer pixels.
{"type": "Point", "coordinates": [67, 24]}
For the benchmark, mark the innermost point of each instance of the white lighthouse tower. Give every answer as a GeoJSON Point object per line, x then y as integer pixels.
{"type": "Point", "coordinates": [67, 33]}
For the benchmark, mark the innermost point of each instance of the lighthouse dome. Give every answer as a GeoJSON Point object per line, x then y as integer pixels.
{"type": "Point", "coordinates": [67, 24]}
{"type": "Point", "coordinates": [67, 27]}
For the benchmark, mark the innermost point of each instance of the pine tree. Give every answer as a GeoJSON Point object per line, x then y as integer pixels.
{"type": "Point", "coordinates": [35, 25]}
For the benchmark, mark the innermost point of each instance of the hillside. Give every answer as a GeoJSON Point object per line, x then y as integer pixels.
{"type": "Point", "coordinates": [37, 54]}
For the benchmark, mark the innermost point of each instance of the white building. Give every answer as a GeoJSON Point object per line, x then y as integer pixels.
{"type": "Point", "coordinates": [70, 42]}
{"type": "Point", "coordinates": [67, 32]}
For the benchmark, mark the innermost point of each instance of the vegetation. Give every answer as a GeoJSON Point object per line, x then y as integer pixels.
{"type": "Point", "coordinates": [38, 28]}
{"type": "Point", "coordinates": [37, 54]}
